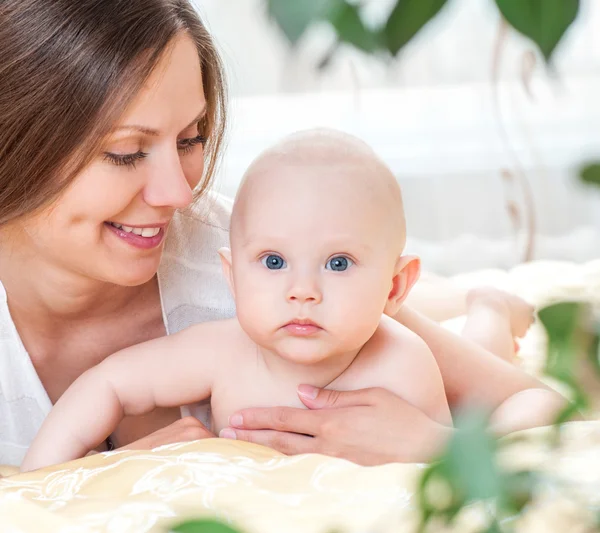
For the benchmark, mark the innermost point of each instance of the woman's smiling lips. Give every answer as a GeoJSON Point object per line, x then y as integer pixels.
{"type": "Point", "coordinates": [146, 236]}
{"type": "Point", "coordinates": [302, 327]}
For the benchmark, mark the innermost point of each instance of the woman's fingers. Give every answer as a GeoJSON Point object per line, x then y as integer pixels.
{"type": "Point", "coordinates": [288, 419]}
{"type": "Point", "coordinates": [295, 420]}
{"type": "Point", "coordinates": [369, 427]}
{"type": "Point", "coordinates": [315, 398]}
{"type": "Point", "coordinates": [287, 443]}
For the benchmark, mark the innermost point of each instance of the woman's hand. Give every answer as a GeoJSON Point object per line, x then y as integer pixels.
{"type": "Point", "coordinates": [369, 427]}
{"type": "Point", "coordinates": [182, 430]}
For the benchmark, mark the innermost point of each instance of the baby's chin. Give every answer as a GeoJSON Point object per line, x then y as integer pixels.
{"type": "Point", "coordinates": [306, 353]}
{"type": "Point", "coordinates": [304, 359]}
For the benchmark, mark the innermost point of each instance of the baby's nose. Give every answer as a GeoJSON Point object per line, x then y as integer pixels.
{"type": "Point", "coordinates": [304, 292]}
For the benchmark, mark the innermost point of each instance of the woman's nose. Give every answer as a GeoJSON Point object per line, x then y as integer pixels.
{"type": "Point", "coordinates": [168, 186]}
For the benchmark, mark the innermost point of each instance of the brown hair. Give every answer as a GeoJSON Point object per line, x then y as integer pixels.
{"type": "Point", "coordinates": [68, 70]}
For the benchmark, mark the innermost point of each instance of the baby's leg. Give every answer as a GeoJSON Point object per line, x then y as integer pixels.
{"type": "Point", "coordinates": [495, 318]}
{"type": "Point", "coordinates": [465, 364]}
{"type": "Point", "coordinates": [437, 298]}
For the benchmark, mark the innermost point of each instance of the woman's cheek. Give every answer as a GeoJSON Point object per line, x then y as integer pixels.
{"type": "Point", "coordinates": [193, 168]}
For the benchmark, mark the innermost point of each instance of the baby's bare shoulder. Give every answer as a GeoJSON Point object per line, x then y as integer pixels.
{"type": "Point", "coordinates": [391, 337]}
{"type": "Point", "coordinates": [397, 359]}
{"type": "Point", "coordinates": [392, 351]}
{"type": "Point", "coordinates": [214, 327]}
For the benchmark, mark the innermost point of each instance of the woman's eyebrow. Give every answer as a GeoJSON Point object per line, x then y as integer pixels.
{"type": "Point", "coordinates": [155, 133]}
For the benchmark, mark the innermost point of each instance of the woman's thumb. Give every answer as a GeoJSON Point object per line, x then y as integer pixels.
{"type": "Point", "coordinates": [315, 398]}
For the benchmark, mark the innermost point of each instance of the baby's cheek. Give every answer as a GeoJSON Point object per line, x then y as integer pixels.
{"type": "Point", "coordinates": [368, 296]}
{"type": "Point", "coordinates": [367, 310]}
{"type": "Point", "coordinates": [257, 310]}
{"type": "Point", "coordinates": [253, 322]}
{"type": "Point", "coordinates": [355, 320]}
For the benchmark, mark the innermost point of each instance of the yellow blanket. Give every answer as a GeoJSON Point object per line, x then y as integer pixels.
{"type": "Point", "coordinates": [263, 491]}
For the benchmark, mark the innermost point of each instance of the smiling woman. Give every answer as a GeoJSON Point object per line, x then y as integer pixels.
{"type": "Point", "coordinates": [111, 119]}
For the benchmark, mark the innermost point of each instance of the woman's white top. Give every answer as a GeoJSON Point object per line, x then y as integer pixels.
{"type": "Point", "coordinates": [192, 289]}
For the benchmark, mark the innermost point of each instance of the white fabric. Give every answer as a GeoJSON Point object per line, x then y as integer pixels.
{"type": "Point", "coordinates": [191, 282]}
{"type": "Point", "coordinates": [192, 290]}
{"type": "Point", "coordinates": [23, 401]}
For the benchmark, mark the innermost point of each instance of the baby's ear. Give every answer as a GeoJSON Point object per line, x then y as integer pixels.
{"type": "Point", "coordinates": [225, 254]}
{"type": "Point", "coordinates": [406, 274]}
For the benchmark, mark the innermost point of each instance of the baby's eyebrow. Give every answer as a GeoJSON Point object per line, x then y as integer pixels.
{"type": "Point", "coordinates": [348, 244]}
{"type": "Point", "coordinates": [278, 242]}
{"type": "Point", "coordinates": [249, 240]}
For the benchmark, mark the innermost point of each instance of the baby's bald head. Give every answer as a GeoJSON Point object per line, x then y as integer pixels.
{"type": "Point", "coordinates": [318, 171]}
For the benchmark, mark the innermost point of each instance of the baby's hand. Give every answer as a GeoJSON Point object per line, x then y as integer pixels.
{"type": "Point", "coordinates": [184, 430]}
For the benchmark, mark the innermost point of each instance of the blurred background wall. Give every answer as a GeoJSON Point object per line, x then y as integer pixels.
{"type": "Point", "coordinates": [469, 153]}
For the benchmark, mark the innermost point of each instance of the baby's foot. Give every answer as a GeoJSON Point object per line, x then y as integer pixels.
{"type": "Point", "coordinates": [518, 311]}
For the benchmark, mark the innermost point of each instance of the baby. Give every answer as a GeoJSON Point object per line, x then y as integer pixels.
{"type": "Point", "coordinates": [316, 270]}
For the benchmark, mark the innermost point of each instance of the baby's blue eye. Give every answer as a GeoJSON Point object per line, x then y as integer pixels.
{"type": "Point", "coordinates": [273, 262]}
{"type": "Point", "coordinates": [339, 263]}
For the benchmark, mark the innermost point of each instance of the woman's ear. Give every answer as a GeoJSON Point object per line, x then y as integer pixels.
{"type": "Point", "coordinates": [225, 254]}
{"type": "Point", "coordinates": [406, 274]}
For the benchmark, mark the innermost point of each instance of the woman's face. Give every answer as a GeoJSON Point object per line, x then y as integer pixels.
{"type": "Point", "coordinates": [110, 223]}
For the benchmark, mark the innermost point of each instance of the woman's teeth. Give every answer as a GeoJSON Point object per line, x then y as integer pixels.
{"type": "Point", "coordinates": [143, 232]}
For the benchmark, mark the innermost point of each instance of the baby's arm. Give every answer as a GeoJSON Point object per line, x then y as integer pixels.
{"type": "Point", "coordinates": [164, 372]}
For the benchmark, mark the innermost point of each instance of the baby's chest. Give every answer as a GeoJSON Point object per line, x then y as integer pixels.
{"type": "Point", "coordinates": [231, 397]}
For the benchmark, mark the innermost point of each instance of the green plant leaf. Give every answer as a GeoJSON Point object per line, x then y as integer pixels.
{"type": "Point", "coordinates": [466, 472]}
{"type": "Point", "coordinates": [543, 21]}
{"type": "Point", "coordinates": [590, 174]}
{"type": "Point", "coordinates": [494, 527]}
{"type": "Point", "coordinates": [294, 16]}
{"type": "Point", "coordinates": [571, 409]}
{"type": "Point", "coordinates": [406, 19]}
{"type": "Point", "coordinates": [563, 325]}
{"type": "Point", "coordinates": [350, 28]}
{"type": "Point", "coordinates": [561, 322]}
{"type": "Point", "coordinates": [433, 504]}
{"type": "Point", "coordinates": [203, 526]}
{"type": "Point", "coordinates": [471, 457]}
{"type": "Point", "coordinates": [519, 487]}
{"type": "Point", "coordinates": [594, 350]}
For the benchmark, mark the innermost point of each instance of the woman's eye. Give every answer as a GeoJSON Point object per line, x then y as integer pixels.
{"type": "Point", "coordinates": [125, 160]}
{"type": "Point", "coordinates": [273, 262]}
{"type": "Point", "coordinates": [339, 263]}
{"type": "Point", "coordinates": [185, 146]}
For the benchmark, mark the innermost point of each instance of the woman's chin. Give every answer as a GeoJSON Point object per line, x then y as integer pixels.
{"type": "Point", "coordinates": [135, 282]}
{"type": "Point", "coordinates": [134, 275]}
